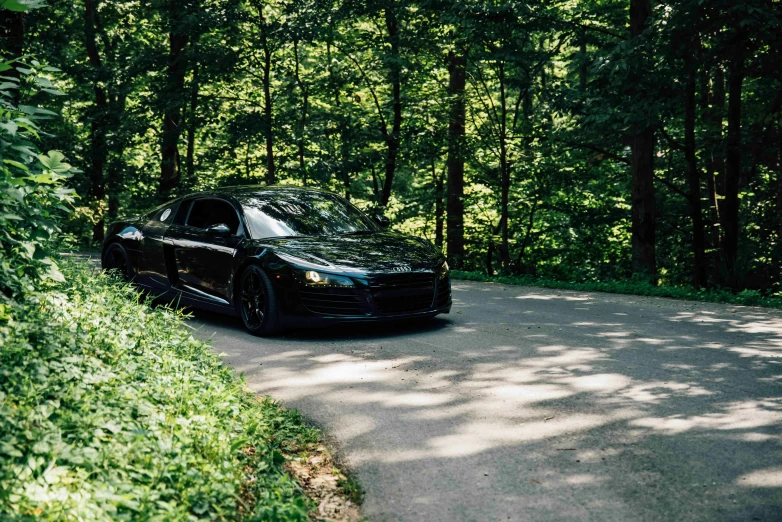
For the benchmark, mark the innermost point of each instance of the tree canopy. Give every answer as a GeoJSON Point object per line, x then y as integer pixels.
{"type": "Point", "coordinates": [575, 140]}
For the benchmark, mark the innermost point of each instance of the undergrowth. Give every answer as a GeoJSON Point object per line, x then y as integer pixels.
{"type": "Point", "coordinates": [746, 297]}
{"type": "Point", "coordinates": [112, 410]}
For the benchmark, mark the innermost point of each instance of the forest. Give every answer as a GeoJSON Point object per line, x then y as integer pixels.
{"type": "Point", "coordinates": [574, 140]}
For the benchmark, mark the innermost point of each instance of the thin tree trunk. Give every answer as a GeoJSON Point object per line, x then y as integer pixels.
{"type": "Point", "coordinates": [271, 176]}
{"type": "Point", "coordinates": [712, 105]}
{"type": "Point", "coordinates": [99, 115]}
{"type": "Point", "coordinates": [116, 152]}
{"type": "Point", "coordinates": [192, 124]}
{"type": "Point", "coordinates": [172, 98]}
{"type": "Point", "coordinates": [693, 176]}
{"type": "Point", "coordinates": [779, 206]}
{"type": "Point", "coordinates": [304, 89]}
{"type": "Point", "coordinates": [439, 210]}
{"type": "Point", "coordinates": [344, 171]}
{"type": "Point", "coordinates": [730, 214]}
{"type": "Point", "coordinates": [527, 235]}
{"type": "Point", "coordinates": [642, 166]}
{"type": "Point", "coordinates": [504, 249]}
{"type": "Point", "coordinates": [392, 139]}
{"type": "Point", "coordinates": [489, 254]}
{"type": "Point", "coordinates": [456, 119]}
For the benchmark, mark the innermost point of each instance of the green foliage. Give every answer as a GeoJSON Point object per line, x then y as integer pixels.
{"type": "Point", "coordinates": [554, 91]}
{"type": "Point", "coordinates": [110, 410]}
{"type": "Point", "coordinates": [32, 196]}
{"type": "Point", "coordinates": [634, 287]}
{"type": "Point", "coordinates": [352, 489]}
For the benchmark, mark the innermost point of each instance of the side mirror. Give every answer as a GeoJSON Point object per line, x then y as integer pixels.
{"type": "Point", "coordinates": [381, 220]}
{"type": "Point", "coordinates": [220, 230]}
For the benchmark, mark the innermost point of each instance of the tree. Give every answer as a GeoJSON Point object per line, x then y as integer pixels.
{"type": "Point", "coordinates": [455, 182]}
{"type": "Point", "coordinates": [642, 167]}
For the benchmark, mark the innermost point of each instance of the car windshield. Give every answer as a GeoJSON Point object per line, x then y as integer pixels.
{"type": "Point", "coordinates": [300, 213]}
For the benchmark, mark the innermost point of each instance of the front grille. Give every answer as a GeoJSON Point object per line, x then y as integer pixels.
{"type": "Point", "coordinates": [399, 293]}
{"type": "Point", "coordinates": [443, 292]}
{"type": "Point", "coordinates": [331, 301]}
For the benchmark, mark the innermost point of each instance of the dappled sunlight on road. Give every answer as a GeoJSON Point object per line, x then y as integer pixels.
{"type": "Point", "coordinates": [762, 478]}
{"type": "Point", "coordinates": [669, 399]}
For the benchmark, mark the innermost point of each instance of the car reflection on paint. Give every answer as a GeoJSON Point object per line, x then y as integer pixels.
{"type": "Point", "coordinates": [279, 257]}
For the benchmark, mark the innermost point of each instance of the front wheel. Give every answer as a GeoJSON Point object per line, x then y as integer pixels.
{"type": "Point", "coordinates": [256, 303]}
{"type": "Point", "coordinates": [115, 257]}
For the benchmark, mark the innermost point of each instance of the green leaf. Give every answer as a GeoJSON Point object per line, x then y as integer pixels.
{"type": "Point", "coordinates": [10, 127]}
{"type": "Point", "coordinates": [23, 5]}
{"type": "Point", "coordinates": [54, 162]}
{"type": "Point", "coordinates": [16, 164]}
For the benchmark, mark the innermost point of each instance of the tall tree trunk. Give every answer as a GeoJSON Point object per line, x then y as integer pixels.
{"type": "Point", "coordinates": [779, 205]}
{"type": "Point", "coordinates": [456, 120]}
{"type": "Point", "coordinates": [116, 151]}
{"type": "Point", "coordinates": [192, 124]}
{"type": "Point", "coordinates": [271, 175]}
{"type": "Point", "coordinates": [99, 116]}
{"type": "Point", "coordinates": [712, 105]}
{"type": "Point", "coordinates": [176, 69]}
{"type": "Point", "coordinates": [730, 213]}
{"type": "Point", "coordinates": [504, 249]}
{"type": "Point", "coordinates": [439, 210]}
{"type": "Point", "coordinates": [304, 89]}
{"type": "Point", "coordinates": [392, 138]}
{"type": "Point", "coordinates": [693, 175]}
{"type": "Point", "coordinates": [642, 166]}
{"type": "Point", "coordinates": [12, 42]}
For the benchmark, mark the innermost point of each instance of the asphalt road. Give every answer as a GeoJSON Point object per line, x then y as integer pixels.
{"type": "Point", "coordinates": [531, 404]}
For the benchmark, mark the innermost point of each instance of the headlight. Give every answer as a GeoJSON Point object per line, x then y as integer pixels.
{"type": "Point", "coordinates": [443, 271]}
{"type": "Point", "coordinates": [313, 278]}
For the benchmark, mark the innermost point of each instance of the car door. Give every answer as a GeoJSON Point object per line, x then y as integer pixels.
{"type": "Point", "coordinates": [202, 258]}
{"type": "Point", "coordinates": [152, 270]}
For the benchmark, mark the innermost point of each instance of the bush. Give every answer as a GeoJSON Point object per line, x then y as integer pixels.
{"type": "Point", "coordinates": [31, 196]}
{"type": "Point", "coordinates": [110, 410]}
{"type": "Point", "coordinates": [633, 287]}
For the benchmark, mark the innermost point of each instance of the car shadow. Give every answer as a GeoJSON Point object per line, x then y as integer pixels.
{"type": "Point", "coordinates": [334, 332]}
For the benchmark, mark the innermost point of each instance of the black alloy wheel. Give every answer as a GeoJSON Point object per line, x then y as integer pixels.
{"type": "Point", "coordinates": [257, 303]}
{"type": "Point", "coordinates": [116, 258]}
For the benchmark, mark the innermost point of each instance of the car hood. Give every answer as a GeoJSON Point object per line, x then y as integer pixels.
{"type": "Point", "coordinates": [371, 253]}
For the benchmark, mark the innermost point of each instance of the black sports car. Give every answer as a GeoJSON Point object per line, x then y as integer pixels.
{"type": "Point", "coordinates": [279, 257]}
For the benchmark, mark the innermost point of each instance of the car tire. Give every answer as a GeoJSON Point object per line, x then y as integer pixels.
{"type": "Point", "coordinates": [256, 302]}
{"type": "Point", "coordinates": [115, 257]}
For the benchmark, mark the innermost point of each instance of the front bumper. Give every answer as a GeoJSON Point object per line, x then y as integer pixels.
{"type": "Point", "coordinates": [384, 297]}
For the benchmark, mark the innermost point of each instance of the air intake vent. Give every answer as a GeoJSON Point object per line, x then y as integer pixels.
{"type": "Point", "coordinates": [400, 293]}
{"type": "Point", "coordinates": [332, 301]}
{"type": "Point", "coordinates": [444, 292]}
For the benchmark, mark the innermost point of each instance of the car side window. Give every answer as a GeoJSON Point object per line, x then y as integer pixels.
{"type": "Point", "coordinates": [209, 212]}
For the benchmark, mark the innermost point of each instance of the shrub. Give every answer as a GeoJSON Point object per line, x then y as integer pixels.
{"type": "Point", "coordinates": [31, 197]}
{"type": "Point", "coordinates": [110, 410]}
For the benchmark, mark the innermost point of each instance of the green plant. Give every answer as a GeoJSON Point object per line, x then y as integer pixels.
{"type": "Point", "coordinates": [111, 410]}
{"type": "Point", "coordinates": [32, 197]}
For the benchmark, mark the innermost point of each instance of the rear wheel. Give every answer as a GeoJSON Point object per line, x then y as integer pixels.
{"type": "Point", "coordinates": [257, 303]}
{"type": "Point", "coordinates": [116, 258]}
